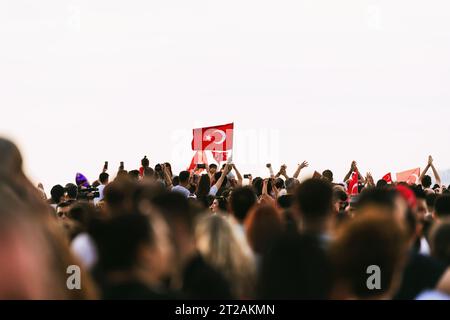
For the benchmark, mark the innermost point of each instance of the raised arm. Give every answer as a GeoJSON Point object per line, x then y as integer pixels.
{"type": "Point", "coordinates": [225, 172]}
{"type": "Point", "coordinates": [435, 172]}
{"type": "Point", "coordinates": [300, 167]}
{"type": "Point", "coordinates": [238, 175]}
{"type": "Point", "coordinates": [167, 177]}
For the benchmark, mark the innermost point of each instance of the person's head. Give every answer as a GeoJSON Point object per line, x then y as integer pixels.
{"type": "Point", "coordinates": [204, 186]}
{"type": "Point", "coordinates": [314, 202]}
{"type": "Point", "coordinates": [421, 207]}
{"type": "Point", "coordinates": [328, 175]}
{"type": "Point", "coordinates": [26, 262]}
{"type": "Point", "coordinates": [212, 169]}
{"type": "Point", "coordinates": [127, 245]}
{"type": "Point", "coordinates": [104, 178]}
{"type": "Point", "coordinates": [149, 173]}
{"type": "Point", "coordinates": [118, 196]}
{"type": "Point", "coordinates": [382, 183]}
{"type": "Point", "coordinates": [440, 241]}
{"type": "Point", "coordinates": [134, 174]}
{"type": "Point", "coordinates": [385, 199]}
{"type": "Point", "coordinates": [279, 184]}
{"type": "Point", "coordinates": [371, 242]}
{"type": "Point", "coordinates": [57, 194]}
{"type": "Point", "coordinates": [184, 178]}
{"type": "Point", "coordinates": [145, 162]}
{"type": "Point", "coordinates": [296, 268]}
{"type": "Point", "coordinates": [219, 205]}
{"type": "Point", "coordinates": [242, 200]}
{"type": "Point", "coordinates": [72, 191]}
{"type": "Point", "coordinates": [180, 218]}
{"type": "Point", "coordinates": [257, 185]}
{"type": "Point", "coordinates": [426, 181]}
{"type": "Point", "coordinates": [264, 225]}
{"type": "Point", "coordinates": [340, 200]}
{"type": "Point", "coordinates": [223, 250]}
{"type": "Point", "coordinates": [442, 207]}
{"type": "Point", "coordinates": [291, 185]}
{"type": "Point", "coordinates": [431, 201]}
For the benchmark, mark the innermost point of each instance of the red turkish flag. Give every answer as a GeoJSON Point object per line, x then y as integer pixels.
{"type": "Point", "coordinates": [198, 158]}
{"type": "Point", "coordinates": [388, 178]}
{"type": "Point", "coordinates": [220, 156]}
{"type": "Point", "coordinates": [409, 176]}
{"type": "Point", "coordinates": [215, 138]}
{"type": "Point", "coordinates": [353, 184]}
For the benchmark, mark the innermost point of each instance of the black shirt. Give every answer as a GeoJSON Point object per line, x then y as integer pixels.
{"type": "Point", "coordinates": [421, 273]}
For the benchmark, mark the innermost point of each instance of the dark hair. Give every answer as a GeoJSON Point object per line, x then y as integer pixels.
{"type": "Point", "coordinates": [419, 192]}
{"type": "Point", "coordinates": [119, 239]}
{"type": "Point", "coordinates": [279, 183]}
{"type": "Point", "coordinates": [145, 162]}
{"type": "Point", "coordinates": [257, 184]}
{"type": "Point", "coordinates": [103, 178]}
{"type": "Point", "coordinates": [175, 208]}
{"type": "Point", "coordinates": [295, 268]}
{"type": "Point", "coordinates": [204, 186]}
{"type": "Point", "coordinates": [382, 183]}
{"type": "Point", "coordinates": [440, 242]}
{"type": "Point", "coordinates": [384, 197]}
{"type": "Point", "coordinates": [426, 181]}
{"type": "Point", "coordinates": [431, 201]}
{"type": "Point", "coordinates": [119, 196]}
{"type": "Point", "coordinates": [184, 176]}
{"type": "Point", "coordinates": [217, 176]}
{"type": "Point", "coordinates": [442, 206]}
{"type": "Point", "coordinates": [285, 201]}
{"type": "Point", "coordinates": [213, 166]}
{"type": "Point", "coordinates": [242, 200]}
{"type": "Point", "coordinates": [56, 193]}
{"type": "Point", "coordinates": [314, 198]}
{"type": "Point", "coordinates": [134, 174]}
{"type": "Point", "coordinates": [175, 181]}
{"type": "Point", "coordinates": [328, 174]}
{"type": "Point", "coordinates": [72, 191]}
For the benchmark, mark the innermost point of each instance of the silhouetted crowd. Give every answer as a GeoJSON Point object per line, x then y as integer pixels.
{"type": "Point", "coordinates": [212, 233]}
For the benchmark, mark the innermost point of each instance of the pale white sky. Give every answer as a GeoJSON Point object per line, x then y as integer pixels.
{"type": "Point", "coordinates": [84, 81]}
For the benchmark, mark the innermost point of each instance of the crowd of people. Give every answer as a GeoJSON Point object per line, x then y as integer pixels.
{"type": "Point", "coordinates": [212, 233]}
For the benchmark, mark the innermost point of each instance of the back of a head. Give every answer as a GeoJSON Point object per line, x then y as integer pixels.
{"type": "Point", "coordinates": [119, 196]}
{"type": "Point", "coordinates": [426, 181]}
{"type": "Point", "coordinates": [380, 197]}
{"type": "Point", "coordinates": [204, 185]}
{"type": "Point", "coordinates": [184, 177]}
{"type": "Point", "coordinates": [103, 178]}
{"type": "Point", "coordinates": [314, 198]}
{"type": "Point", "coordinates": [10, 158]}
{"type": "Point", "coordinates": [440, 241]}
{"type": "Point", "coordinates": [56, 193]}
{"type": "Point", "coordinates": [295, 268]}
{"type": "Point", "coordinates": [119, 239]}
{"type": "Point", "coordinates": [372, 239]}
{"type": "Point", "coordinates": [72, 190]}
{"type": "Point", "coordinates": [145, 162]}
{"type": "Point", "coordinates": [176, 209]}
{"type": "Point", "coordinates": [264, 225]}
{"type": "Point", "coordinates": [242, 200]}
{"type": "Point", "coordinates": [442, 206]}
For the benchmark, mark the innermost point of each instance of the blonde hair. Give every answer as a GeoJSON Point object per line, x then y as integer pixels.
{"type": "Point", "coordinates": [222, 249]}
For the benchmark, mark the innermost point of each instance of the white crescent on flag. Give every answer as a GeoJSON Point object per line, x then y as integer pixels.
{"type": "Point", "coordinates": [223, 135]}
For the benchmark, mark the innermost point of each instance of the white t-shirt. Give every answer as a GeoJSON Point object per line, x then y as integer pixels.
{"type": "Point", "coordinates": [84, 248]}
{"type": "Point", "coordinates": [213, 191]}
{"type": "Point", "coordinates": [101, 189]}
{"type": "Point", "coordinates": [185, 192]}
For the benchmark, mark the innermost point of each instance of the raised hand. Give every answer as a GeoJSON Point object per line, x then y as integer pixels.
{"type": "Point", "coordinates": [303, 165]}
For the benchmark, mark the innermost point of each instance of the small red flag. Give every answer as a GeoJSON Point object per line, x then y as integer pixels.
{"type": "Point", "coordinates": [353, 184]}
{"type": "Point", "coordinates": [388, 178]}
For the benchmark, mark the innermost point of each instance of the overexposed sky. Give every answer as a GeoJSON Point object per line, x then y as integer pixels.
{"type": "Point", "coordinates": [84, 81]}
